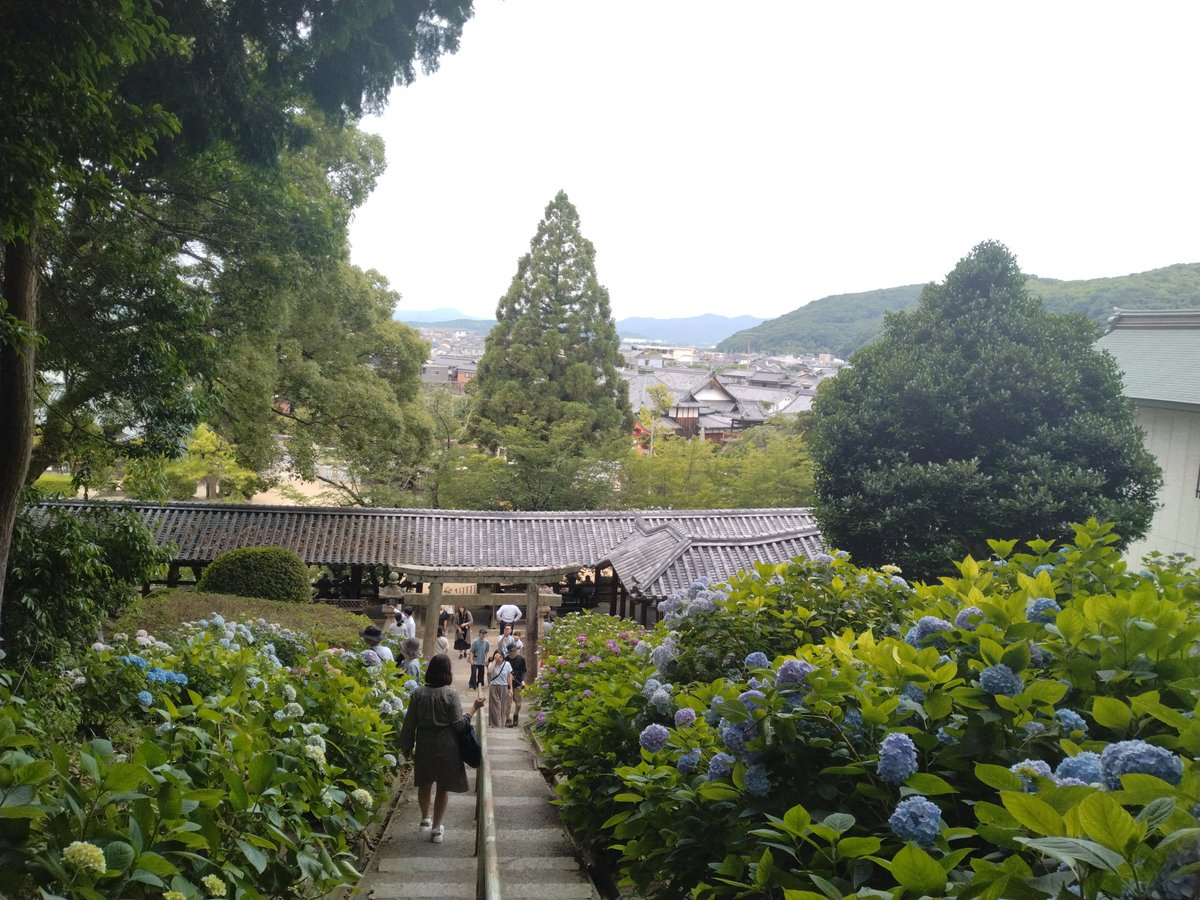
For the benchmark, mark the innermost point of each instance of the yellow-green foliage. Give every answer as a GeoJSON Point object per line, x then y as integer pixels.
{"type": "Point", "coordinates": [163, 611]}
{"type": "Point", "coordinates": [55, 484]}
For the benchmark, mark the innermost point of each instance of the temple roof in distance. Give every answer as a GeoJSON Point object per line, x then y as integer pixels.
{"type": "Point", "coordinates": [654, 552]}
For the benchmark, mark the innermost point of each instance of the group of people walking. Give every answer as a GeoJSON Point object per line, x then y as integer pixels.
{"type": "Point", "coordinates": [434, 721]}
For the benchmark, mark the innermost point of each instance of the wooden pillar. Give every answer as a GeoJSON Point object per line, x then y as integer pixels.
{"type": "Point", "coordinates": [624, 601]}
{"type": "Point", "coordinates": [173, 575]}
{"type": "Point", "coordinates": [429, 640]}
{"type": "Point", "coordinates": [533, 626]}
{"type": "Point", "coordinates": [356, 574]}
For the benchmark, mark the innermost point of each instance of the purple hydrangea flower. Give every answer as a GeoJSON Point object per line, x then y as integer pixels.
{"type": "Point", "coordinates": [1042, 609]}
{"type": "Point", "coordinates": [587, 693]}
{"type": "Point", "coordinates": [794, 671]}
{"type": "Point", "coordinates": [916, 819]}
{"type": "Point", "coordinates": [926, 632]}
{"type": "Point", "coordinates": [688, 762]}
{"type": "Point", "coordinates": [1027, 768]}
{"type": "Point", "coordinates": [1083, 766]}
{"type": "Point", "coordinates": [968, 619]}
{"type": "Point", "coordinates": [720, 766]}
{"type": "Point", "coordinates": [1070, 720]}
{"type": "Point", "coordinates": [897, 758]}
{"type": "Point", "coordinates": [684, 717]}
{"type": "Point", "coordinates": [757, 783]}
{"type": "Point", "coordinates": [757, 660]}
{"type": "Point", "coordinates": [1070, 782]}
{"type": "Point", "coordinates": [1000, 679]}
{"type": "Point", "coordinates": [1128, 757]}
{"type": "Point", "coordinates": [654, 737]}
{"type": "Point", "coordinates": [540, 721]}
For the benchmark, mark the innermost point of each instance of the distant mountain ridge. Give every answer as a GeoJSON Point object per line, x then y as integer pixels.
{"type": "Point", "coordinates": [695, 331]}
{"type": "Point", "coordinates": [691, 331]}
{"type": "Point", "coordinates": [842, 323]}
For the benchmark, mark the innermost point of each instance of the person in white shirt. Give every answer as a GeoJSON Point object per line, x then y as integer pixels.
{"type": "Point", "coordinates": [508, 614]}
{"type": "Point", "coordinates": [408, 627]}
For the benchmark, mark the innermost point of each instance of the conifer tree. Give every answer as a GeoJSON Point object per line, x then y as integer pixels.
{"type": "Point", "coordinates": [553, 354]}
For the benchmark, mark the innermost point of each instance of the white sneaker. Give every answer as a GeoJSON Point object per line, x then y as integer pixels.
{"type": "Point", "coordinates": [426, 824]}
{"type": "Point", "coordinates": [437, 834]}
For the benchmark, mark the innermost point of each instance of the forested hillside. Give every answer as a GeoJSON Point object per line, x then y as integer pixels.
{"type": "Point", "coordinates": [844, 322]}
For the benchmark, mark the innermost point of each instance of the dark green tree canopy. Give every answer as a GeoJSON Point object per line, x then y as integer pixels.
{"type": "Point", "coordinates": [977, 414]}
{"type": "Point", "coordinates": [553, 354]}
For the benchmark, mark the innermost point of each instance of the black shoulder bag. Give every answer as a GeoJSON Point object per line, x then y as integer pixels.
{"type": "Point", "coordinates": [468, 744]}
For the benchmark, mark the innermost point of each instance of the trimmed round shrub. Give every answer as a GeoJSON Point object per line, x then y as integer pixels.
{"type": "Point", "coordinates": [269, 572]}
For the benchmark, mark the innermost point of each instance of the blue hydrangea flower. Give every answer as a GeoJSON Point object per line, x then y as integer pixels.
{"type": "Point", "coordinates": [752, 699]}
{"type": "Point", "coordinates": [661, 701]}
{"type": "Point", "coordinates": [1038, 657]}
{"type": "Point", "coordinates": [823, 558]}
{"type": "Point", "coordinates": [1042, 609]}
{"type": "Point", "coordinates": [684, 717]}
{"type": "Point", "coordinates": [654, 737]}
{"type": "Point", "coordinates": [757, 660]}
{"type": "Point", "coordinates": [1033, 728]}
{"type": "Point", "coordinates": [897, 758]}
{"type": "Point", "coordinates": [641, 648]}
{"type": "Point", "coordinates": [1070, 720]}
{"type": "Point", "coordinates": [793, 671]}
{"type": "Point", "coordinates": [138, 661]}
{"type": "Point", "coordinates": [913, 694]}
{"type": "Point", "coordinates": [1085, 766]}
{"type": "Point", "coordinates": [757, 783]}
{"type": "Point", "coordinates": [712, 716]}
{"type": "Point", "coordinates": [735, 735]}
{"type": "Point", "coordinates": [853, 722]}
{"type": "Point", "coordinates": [897, 581]}
{"type": "Point", "coordinates": [218, 620]}
{"type": "Point", "coordinates": [1127, 757]}
{"type": "Point", "coordinates": [1044, 567]}
{"type": "Point", "coordinates": [916, 819]}
{"type": "Point", "coordinates": [926, 633]}
{"type": "Point", "coordinates": [1000, 679]}
{"type": "Point", "coordinates": [651, 685]}
{"type": "Point", "coordinates": [1027, 768]}
{"type": "Point", "coordinates": [720, 766]}
{"type": "Point", "coordinates": [1070, 782]}
{"type": "Point", "coordinates": [145, 698]}
{"type": "Point", "coordinates": [968, 619]}
{"type": "Point", "coordinates": [688, 762]}
{"type": "Point", "coordinates": [945, 737]}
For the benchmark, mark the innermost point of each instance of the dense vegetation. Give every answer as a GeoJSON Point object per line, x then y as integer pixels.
{"type": "Point", "coordinates": [1023, 729]}
{"type": "Point", "coordinates": [272, 573]}
{"type": "Point", "coordinates": [843, 323]}
{"type": "Point", "coordinates": [976, 413]}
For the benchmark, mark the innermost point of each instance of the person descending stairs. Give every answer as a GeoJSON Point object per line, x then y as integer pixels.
{"type": "Point", "coordinates": [536, 859]}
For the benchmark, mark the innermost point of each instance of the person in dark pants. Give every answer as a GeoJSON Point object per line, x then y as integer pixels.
{"type": "Point", "coordinates": [479, 658]}
{"type": "Point", "coordinates": [519, 668]}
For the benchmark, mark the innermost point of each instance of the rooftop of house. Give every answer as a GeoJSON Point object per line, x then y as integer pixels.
{"type": "Point", "coordinates": [1158, 352]}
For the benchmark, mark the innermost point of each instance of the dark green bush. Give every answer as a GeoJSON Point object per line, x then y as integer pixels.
{"type": "Point", "coordinates": [269, 572]}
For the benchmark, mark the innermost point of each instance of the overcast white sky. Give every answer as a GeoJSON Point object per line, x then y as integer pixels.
{"type": "Point", "coordinates": [751, 157]}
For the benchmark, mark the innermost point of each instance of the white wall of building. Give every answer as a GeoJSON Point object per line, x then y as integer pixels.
{"type": "Point", "coordinates": [1173, 436]}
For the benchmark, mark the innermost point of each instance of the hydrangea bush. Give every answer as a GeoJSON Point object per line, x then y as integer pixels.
{"type": "Point", "coordinates": [236, 773]}
{"type": "Point", "coordinates": [1025, 728]}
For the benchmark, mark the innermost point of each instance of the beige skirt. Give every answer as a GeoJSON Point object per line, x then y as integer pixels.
{"type": "Point", "coordinates": [497, 705]}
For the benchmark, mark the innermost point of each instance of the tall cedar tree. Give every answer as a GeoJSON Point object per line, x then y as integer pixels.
{"type": "Point", "coordinates": [976, 415]}
{"type": "Point", "coordinates": [553, 355]}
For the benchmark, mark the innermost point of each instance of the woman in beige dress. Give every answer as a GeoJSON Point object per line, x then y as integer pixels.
{"type": "Point", "coordinates": [431, 726]}
{"type": "Point", "coordinates": [499, 689]}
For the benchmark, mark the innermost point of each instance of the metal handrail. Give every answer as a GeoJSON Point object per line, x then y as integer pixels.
{"type": "Point", "coordinates": [487, 878]}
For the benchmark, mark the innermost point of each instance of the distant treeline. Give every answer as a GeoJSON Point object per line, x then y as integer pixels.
{"type": "Point", "coordinates": [844, 322]}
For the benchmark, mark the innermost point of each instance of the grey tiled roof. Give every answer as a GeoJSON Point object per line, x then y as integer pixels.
{"type": "Point", "coordinates": [1158, 352]}
{"type": "Point", "coordinates": [653, 551]}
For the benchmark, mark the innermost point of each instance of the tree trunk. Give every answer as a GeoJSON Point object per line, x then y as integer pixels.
{"type": "Point", "coordinates": [16, 391]}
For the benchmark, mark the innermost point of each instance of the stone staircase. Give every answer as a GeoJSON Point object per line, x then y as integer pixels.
{"type": "Point", "coordinates": [536, 857]}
